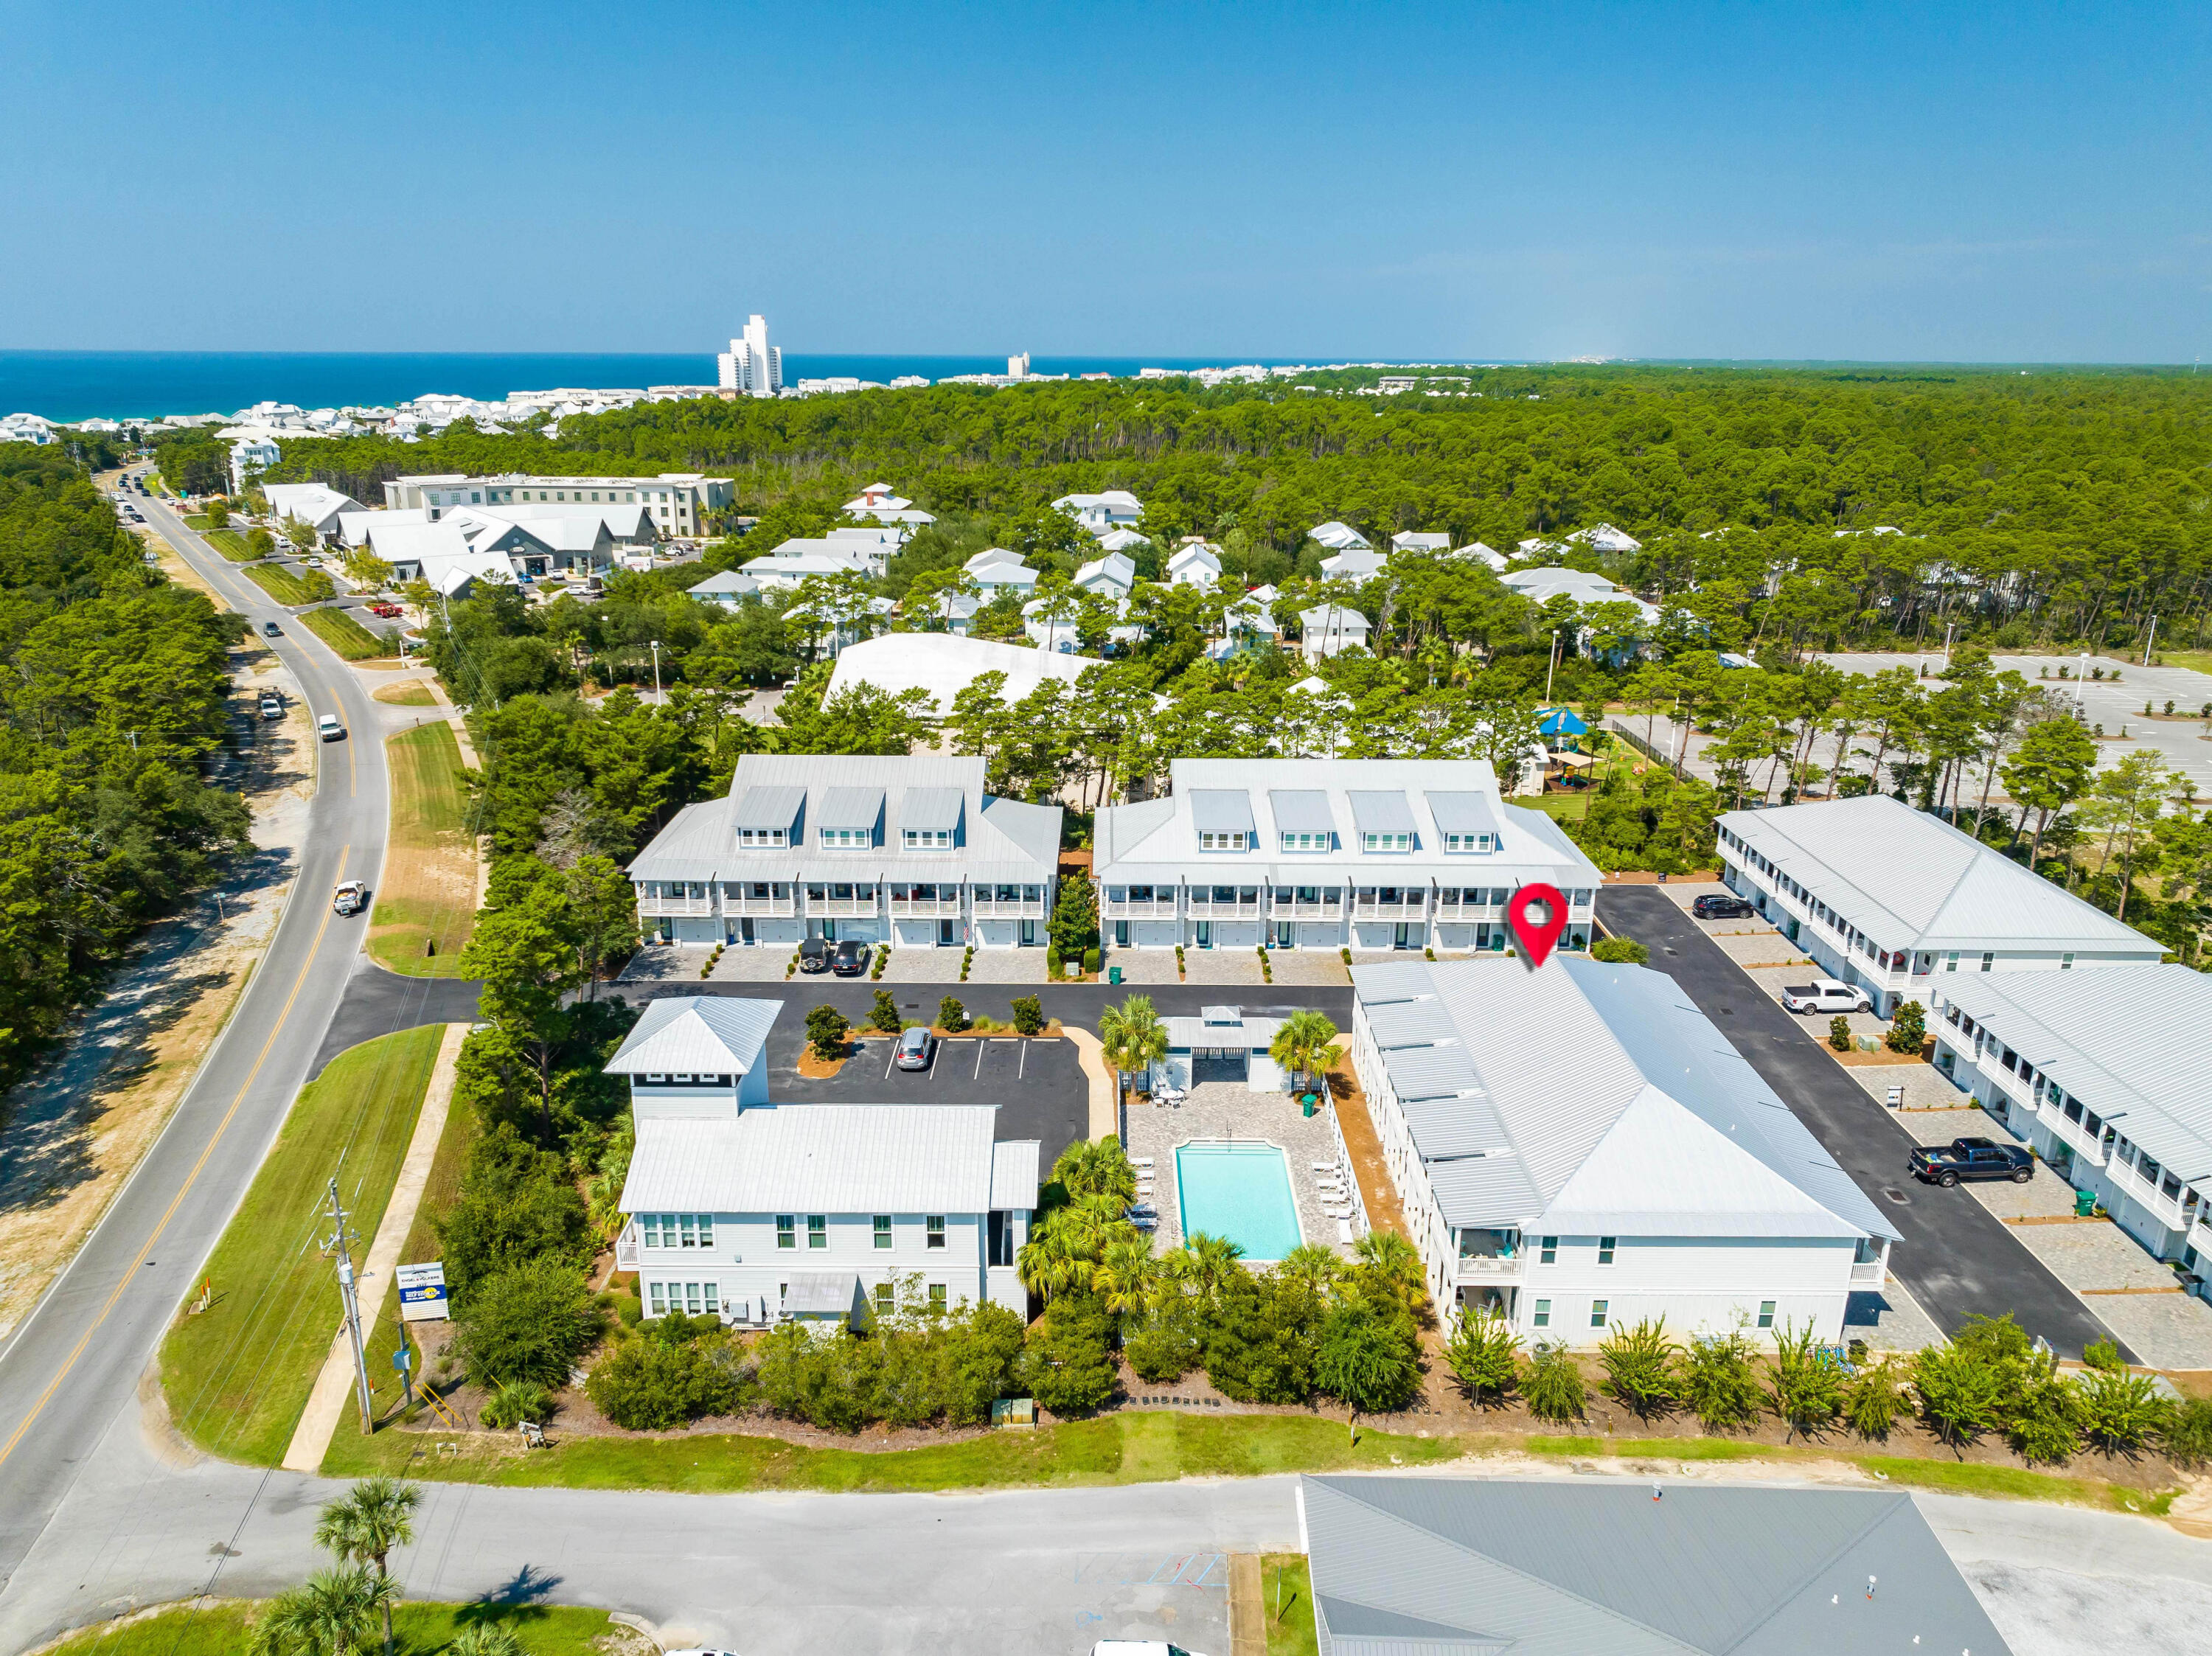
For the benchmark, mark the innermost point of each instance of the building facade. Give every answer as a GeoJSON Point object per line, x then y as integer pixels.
{"type": "Point", "coordinates": [1576, 1146]}
{"type": "Point", "coordinates": [756, 1212]}
{"type": "Point", "coordinates": [752, 366]}
{"type": "Point", "coordinates": [909, 851]}
{"type": "Point", "coordinates": [678, 502]}
{"type": "Point", "coordinates": [1893, 899]}
{"type": "Point", "coordinates": [1335, 854]}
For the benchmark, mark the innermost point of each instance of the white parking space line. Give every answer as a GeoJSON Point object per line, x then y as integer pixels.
{"type": "Point", "coordinates": [979, 1046]}
{"type": "Point", "coordinates": [1023, 1068]}
{"type": "Point", "coordinates": [892, 1059]}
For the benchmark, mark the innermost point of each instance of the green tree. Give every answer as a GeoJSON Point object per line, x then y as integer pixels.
{"type": "Point", "coordinates": [1371, 1363]}
{"type": "Point", "coordinates": [530, 1322]}
{"type": "Point", "coordinates": [2125, 802]}
{"type": "Point", "coordinates": [1874, 1398]}
{"type": "Point", "coordinates": [1720, 1382]}
{"type": "Point", "coordinates": [1642, 1367]}
{"type": "Point", "coordinates": [1074, 927]}
{"type": "Point", "coordinates": [884, 1015]}
{"type": "Point", "coordinates": [1552, 1384]}
{"type": "Point", "coordinates": [1096, 1166]}
{"type": "Point", "coordinates": [1131, 1038]}
{"type": "Point", "coordinates": [485, 1639]}
{"type": "Point", "coordinates": [1304, 1044]}
{"type": "Point", "coordinates": [1805, 1387]}
{"type": "Point", "coordinates": [527, 958]}
{"type": "Point", "coordinates": [1908, 1028]}
{"type": "Point", "coordinates": [2050, 769]}
{"type": "Point", "coordinates": [337, 1612]}
{"type": "Point", "coordinates": [365, 1524]}
{"type": "Point", "coordinates": [1481, 1354]}
{"type": "Point", "coordinates": [299, 533]}
{"type": "Point", "coordinates": [1962, 1391]}
{"type": "Point", "coordinates": [2120, 1412]}
{"type": "Point", "coordinates": [827, 1033]}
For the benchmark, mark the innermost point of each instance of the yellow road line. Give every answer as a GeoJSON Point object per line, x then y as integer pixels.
{"type": "Point", "coordinates": [183, 1191]}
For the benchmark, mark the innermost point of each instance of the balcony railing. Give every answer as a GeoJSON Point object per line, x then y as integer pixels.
{"type": "Point", "coordinates": [1365, 908]}
{"type": "Point", "coordinates": [1140, 908]}
{"type": "Point", "coordinates": [1491, 1267]}
{"type": "Point", "coordinates": [2076, 1137]}
{"type": "Point", "coordinates": [1291, 908]}
{"type": "Point", "coordinates": [1014, 908]}
{"type": "Point", "coordinates": [626, 1248]}
{"type": "Point", "coordinates": [946, 908]}
{"type": "Point", "coordinates": [675, 905]}
{"type": "Point", "coordinates": [1871, 1274]}
{"type": "Point", "coordinates": [1204, 908]}
{"type": "Point", "coordinates": [784, 905]}
{"type": "Point", "coordinates": [1450, 908]}
{"type": "Point", "coordinates": [831, 908]}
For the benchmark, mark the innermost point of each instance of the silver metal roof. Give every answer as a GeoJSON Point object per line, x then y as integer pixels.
{"type": "Point", "coordinates": [1410, 1024]}
{"type": "Point", "coordinates": [821, 1293]}
{"type": "Point", "coordinates": [1434, 1071]}
{"type": "Point", "coordinates": [1484, 1190]}
{"type": "Point", "coordinates": [1562, 1568]}
{"type": "Point", "coordinates": [696, 1035]}
{"type": "Point", "coordinates": [817, 1158]}
{"type": "Point", "coordinates": [1463, 813]}
{"type": "Point", "coordinates": [1375, 810]}
{"type": "Point", "coordinates": [1302, 810]}
{"type": "Point", "coordinates": [1446, 1128]}
{"type": "Point", "coordinates": [767, 808]}
{"type": "Point", "coordinates": [1014, 1176]}
{"type": "Point", "coordinates": [1221, 810]}
{"type": "Point", "coordinates": [930, 808]}
{"type": "Point", "coordinates": [848, 807]}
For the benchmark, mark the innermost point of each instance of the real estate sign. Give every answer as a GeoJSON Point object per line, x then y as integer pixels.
{"type": "Point", "coordinates": [422, 1292]}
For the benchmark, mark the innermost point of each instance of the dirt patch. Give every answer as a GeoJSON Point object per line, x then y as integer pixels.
{"type": "Point", "coordinates": [1377, 1192]}
{"type": "Point", "coordinates": [815, 1068]}
{"type": "Point", "coordinates": [1857, 1059]}
{"type": "Point", "coordinates": [413, 693]}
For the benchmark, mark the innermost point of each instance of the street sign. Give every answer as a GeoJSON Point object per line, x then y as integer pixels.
{"type": "Point", "coordinates": [422, 1292]}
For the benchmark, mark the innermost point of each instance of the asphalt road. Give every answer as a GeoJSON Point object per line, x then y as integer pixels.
{"type": "Point", "coordinates": [378, 1002]}
{"type": "Point", "coordinates": [1956, 1257]}
{"type": "Point", "coordinates": [74, 1365]}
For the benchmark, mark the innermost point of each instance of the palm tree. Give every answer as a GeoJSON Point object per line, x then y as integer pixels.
{"type": "Point", "coordinates": [1126, 1275]}
{"type": "Point", "coordinates": [1317, 1267]}
{"type": "Point", "coordinates": [365, 1525]}
{"type": "Point", "coordinates": [334, 1614]}
{"type": "Point", "coordinates": [1097, 1167]}
{"type": "Point", "coordinates": [1302, 1044]}
{"type": "Point", "coordinates": [1205, 1262]}
{"type": "Point", "coordinates": [1394, 1264]}
{"type": "Point", "coordinates": [1131, 1037]}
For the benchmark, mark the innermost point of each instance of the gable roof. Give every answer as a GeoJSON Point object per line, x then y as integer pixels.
{"type": "Point", "coordinates": [1909, 879]}
{"type": "Point", "coordinates": [1559, 1569]}
{"type": "Point", "coordinates": [696, 1035]}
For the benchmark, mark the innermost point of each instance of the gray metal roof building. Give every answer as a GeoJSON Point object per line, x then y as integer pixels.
{"type": "Point", "coordinates": [1449, 1567]}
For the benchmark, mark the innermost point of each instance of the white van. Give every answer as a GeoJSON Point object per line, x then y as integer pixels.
{"type": "Point", "coordinates": [328, 727]}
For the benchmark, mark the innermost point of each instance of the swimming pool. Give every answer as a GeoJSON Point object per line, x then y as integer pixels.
{"type": "Point", "coordinates": [1241, 1192]}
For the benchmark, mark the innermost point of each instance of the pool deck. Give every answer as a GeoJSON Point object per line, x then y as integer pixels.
{"type": "Point", "coordinates": [1227, 1110]}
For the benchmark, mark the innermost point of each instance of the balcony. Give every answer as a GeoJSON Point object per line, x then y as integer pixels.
{"type": "Point", "coordinates": [926, 908]}
{"type": "Point", "coordinates": [1451, 909]}
{"type": "Point", "coordinates": [1016, 908]}
{"type": "Point", "coordinates": [771, 906]}
{"type": "Point", "coordinates": [1372, 908]}
{"type": "Point", "coordinates": [1872, 1274]}
{"type": "Point", "coordinates": [1204, 908]}
{"type": "Point", "coordinates": [2087, 1152]}
{"type": "Point", "coordinates": [1135, 908]}
{"type": "Point", "coordinates": [652, 906]}
{"type": "Point", "coordinates": [1492, 1268]}
{"type": "Point", "coordinates": [626, 1248]}
{"type": "Point", "coordinates": [842, 908]}
{"type": "Point", "coordinates": [1290, 908]}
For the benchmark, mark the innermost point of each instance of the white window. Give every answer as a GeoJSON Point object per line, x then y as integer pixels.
{"type": "Point", "coordinates": [711, 1297]}
{"type": "Point", "coordinates": [849, 839]}
{"type": "Point", "coordinates": [1605, 1247]}
{"type": "Point", "coordinates": [1307, 841]}
{"type": "Point", "coordinates": [658, 1297]}
{"type": "Point", "coordinates": [760, 836]}
{"type": "Point", "coordinates": [1221, 842]}
{"type": "Point", "coordinates": [1766, 1314]}
{"type": "Point", "coordinates": [1387, 842]}
{"type": "Point", "coordinates": [656, 1080]}
{"type": "Point", "coordinates": [1466, 843]}
{"type": "Point", "coordinates": [928, 838]}
{"type": "Point", "coordinates": [933, 1224]}
{"type": "Point", "coordinates": [691, 1297]}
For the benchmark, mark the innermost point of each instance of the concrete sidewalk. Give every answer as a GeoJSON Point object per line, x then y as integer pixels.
{"type": "Point", "coordinates": [310, 1438]}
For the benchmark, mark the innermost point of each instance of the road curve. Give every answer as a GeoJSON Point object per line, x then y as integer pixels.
{"type": "Point", "coordinates": [73, 1364]}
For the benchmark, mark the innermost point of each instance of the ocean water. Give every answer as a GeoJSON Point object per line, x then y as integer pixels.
{"type": "Point", "coordinates": [65, 386]}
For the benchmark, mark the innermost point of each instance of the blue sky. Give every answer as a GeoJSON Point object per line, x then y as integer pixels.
{"type": "Point", "coordinates": [1935, 182]}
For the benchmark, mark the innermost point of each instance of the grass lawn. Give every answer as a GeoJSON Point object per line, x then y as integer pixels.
{"type": "Point", "coordinates": [429, 891]}
{"type": "Point", "coordinates": [338, 629]}
{"type": "Point", "coordinates": [230, 543]}
{"type": "Point", "coordinates": [224, 1630]}
{"type": "Point", "coordinates": [193, 520]}
{"type": "Point", "coordinates": [237, 1375]}
{"type": "Point", "coordinates": [414, 693]}
{"type": "Point", "coordinates": [281, 585]}
{"type": "Point", "coordinates": [1286, 1595]}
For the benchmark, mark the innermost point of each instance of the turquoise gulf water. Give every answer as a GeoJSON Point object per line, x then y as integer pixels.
{"type": "Point", "coordinates": [1241, 1192]}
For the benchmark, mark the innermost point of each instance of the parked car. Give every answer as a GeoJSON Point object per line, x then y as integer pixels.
{"type": "Point", "coordinates": [1827, 995]}
{"type": "Point", "coordinates": [350, 898]}
{"type": "Point", "coordinates": [270, 629]}
{"type": "Point", "coordinates": [272, 706]}
{"type": "Point", "coordinates": [814, 954]}
{"type": "Point", "coordinates": [916, 1048]}
{"type": "Point", "coordinates": [851, 958]}
{"type": "Point", "coordinates": [1718, 907]}
{"type": "Point", "coordinates": [1971, 1158]}
{"type": "Point", "coordinates": [328, 728]}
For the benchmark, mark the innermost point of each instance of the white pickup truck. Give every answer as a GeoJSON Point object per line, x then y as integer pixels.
{"type": "Point", "coordinates": [1827, 995]}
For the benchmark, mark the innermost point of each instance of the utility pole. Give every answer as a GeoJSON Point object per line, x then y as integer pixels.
{"type": "Point", "coordinates": [656, 671]}
{"type": "Point", "coordinates": [1551, 666]}
{"type": "Point", "coordinates": [341, 1243]}
{"type": "Point", "coordinates": [2149, 638]}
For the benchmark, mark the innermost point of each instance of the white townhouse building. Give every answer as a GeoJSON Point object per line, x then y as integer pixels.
{"type": "Point", "coordinates": [678, 502]}
{"type": "Point", "coordinates": [1577, 1145]}
{"type": "Point", "coordinates": [1117, 508]}
{"type": "Point", "coordinates": [318, 508]}
{"type": "Point", "coordinates": [755, 1212]}
{"type": "Point", "coordinates": [1329, 853]}
{"type": "Point", "coordinates": [251, 454]}
{"type": "Point", "coordinates": [909, 851]}
{"type": "Point", "coordinates": [1894, 899]}
{"type": "Point", "coordinates": [2103, 1073]}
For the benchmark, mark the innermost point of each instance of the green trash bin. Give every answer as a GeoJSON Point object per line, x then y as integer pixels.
{"type": "Point", "coordinates": [1113, 974]}
{"type": "Point", "coordinates": [1310, 1103]}
{"type": "Point", "coordinates": [2085, 1203]}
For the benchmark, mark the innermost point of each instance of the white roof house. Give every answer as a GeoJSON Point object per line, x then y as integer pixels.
{"type": "Point", "coordinates": [883, 503]}
{"type": "Point", "coordinates": [438, 552]}
{"type": "Point", "coordinates": [1121, 540]}
{"type": "Point", "coordinates": [995, 567]}
{"type": "Point", "coordinates": [1354, 563]}
{"type": "Point", "coordinates": [695, 1034]}
{"type": "Point", "coordinates": [1111, 576]}
{"type": "Point", "coordinates": [1194, 564]}
{"type": "Point", "coordinates": [26, 429]}
{"type": "Point", "coordinates": [944, 664]}
{"type": "Point", "coordinates": [1326, 853]}
{"type": "Point", "coordinates": [1339, 537]}
{"type": "Point", "coordinates": [312, 504]}
{"type": "Point", "coordinates": [1577, 1145]}
{"type": "Point", "coordinates": [1332, 629]}
{"type": "Point", "coordinates": [1602, 538]}
{"type": "Point", "coordinates": [1488, 554]}
{"type": "Point", "coordinates": [1542, 583]}
{"type": "Point", "coordinates": [2103, 1073]}
{"type": "Point", "coordinates": [1418, 541]}
{"type": "Point", "coordinates": [1891, 898]}
{"type": "Point", "coordinates": [729, 589]}
{"type": "Point", "coordinates": [1117, 508]}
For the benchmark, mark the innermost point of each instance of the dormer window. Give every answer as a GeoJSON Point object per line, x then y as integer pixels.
{"type": "Point", "coordinates": [1469, 842]}
{"type": "Point", "coordinates": [1307, 842]}
{"type": "Point", "coordinates": [847, 839]}
{"type": "Point", "coordinates": [761, 837]}
{"type": "Point", "coordinates": [928, 838]}
{"type": "Point", "coordinates": [1230, 841]}
{"type": "Point", "coordinates": [1386, 841]}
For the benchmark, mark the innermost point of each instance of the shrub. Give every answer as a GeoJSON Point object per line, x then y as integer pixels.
{"type": "Point", "coordinates": [1028, 1014]}
{"type": "Point", "coordinates": [2103, 1355]}
{"type": "Point", "coordinates": [1908, 1028]}
{"type": "Point", "coordinates": [259, 543]}
{"type": "Point", "coordinates": [529, 1323]}
{"type": "Point", "coordinates": [2188, 1435]}
{"type": "Point", "coordinates": [1721, 1384]}
{"type": "Point", "coordinates": [1264, 1337]}
{"type": "Point", "coordinates": [1553, 1385]}
{"type": "Point", "coordinates": [1065, 1363]}
{"type": "Point", "coordinates": [516, 1204]}
{"type": "Point", "coordinates": [886, 1014]}
{"type": "Point", "coordinates": [2046, 1422]}
{"type": "Point", "coordinates": [514, 1402]}
{"type": "Point", "coordinates": [1873, 1399]}
{"type": "Point", "coordinates": [1962, 1391]}
{"type": "Point", "coordinates": [2120, 1412]}
{"type": "Point", "coordinates": [1167, 1343]}
{"type": "Point", "coordinates": [952, 1015]}
{"type": "Point", "coordinates": [827, 1381]}
{"type": "Point", "coordinates": [1839, 1032]}
{"type": "Point", "coordinates": [649, 1384]}
{"type": "Point", "coordinates": [1620, 951]}
{"type": "Point", "coordinates": [1481, 1354]}
{"type": "Point", "coordinates": [1641, 1367]}
{"type": "Point", "coordinates": [1090, 958]}
{"type": "Point", "coordinates": [1805, 1387]}
{"type": "Point", "coordinates": [827, 1030]}
{"type": "Point", "coordinates": [629, 1309]}
{"type": "Point", "coordinates": [1368, 1359]}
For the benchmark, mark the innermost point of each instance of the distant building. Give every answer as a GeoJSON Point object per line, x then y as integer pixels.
{"type": "Point", "coordinates": [251, 456]}
{"type": "Point", "coordinates": [1117, 508]}
{"type": "Point", "coordinates": [727, 590]}
{"type": "Point", "coordinates": [678, 502]}
{"type": "Point", "coordinates": [1413, 542]}
{"type": "Point", "coordinates": [25, 429]}
{"type": "Point", "coordinates": [994, 568]}
{"type": "Point", "coordinates": [881, 502]}
{"type": "Point", "coordinates": [1331, 630]}
{"type": "Point", "coordinates": [1354, 563]}
{"type": "Point", "coordinates": [944, 664]}
{"type": "Point", "coordinates": [318, 508]}
{"type": "Point", "coordinates": [1195, 563]}
{"type": "Point", "coordinates": [1339, 537]}
{"type": "Point", "coordinates": [752, 366]}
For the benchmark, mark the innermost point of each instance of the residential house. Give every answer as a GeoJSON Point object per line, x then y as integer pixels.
{"type": "Point", "coordinates": [995, 568]}
{"type": "Point", "coordinates": [2102, 1073]}
{"type": "Point", "coordinates": [909, 851]}
{"type": "Point", "coordinates": [1331, 630]}
{"type": "Point", "coordinates": [318, 507]}
{"type": "Point", "coordinates": [1354, 564]}
{"type": "Point", "coordinates": [1894, 899]}
{"type": "Point", "coordinates": [1329, 853]}
{"type": "Point", "coordinates": [842, 625]}
{"type": "Point", "coordinates": [1488, 554]}
{"type": "Point", "coordinates": [1113, 576]}
{"type": "Point", "coordinates": [946, 663]}
{"type": "Point", "coordinates": [251, 454]}
{"type": "Point", "coordinates": [1602, 538]}
{"type": "Point", "coordinates": [1479, 1567]}
{"type": "Point", "coordinates": [755, 1212]}
{"type": "Point", "coordinates": [1102, 514]}
{"type": "Point", "coordinates": [1416, 541]}
{"type": "Point", "coordinates": [1339, 537]}
{"type": "Point", "coordinates": [884, 504]}
{"type": "Point", "coordinates": [728, 590]}
{"type": "Point", "coordinates": [1575, 1146]}
{"type": "Point", "coordinates": [26, 429]}
{"type": "Point", "coordinates": [796, 559]}
{"type": "Point", "coordinates": [1194, 563]}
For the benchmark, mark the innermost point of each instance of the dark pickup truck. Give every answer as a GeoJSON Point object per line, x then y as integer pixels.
{"type": "Point", "coordinates": [1971, 1158]}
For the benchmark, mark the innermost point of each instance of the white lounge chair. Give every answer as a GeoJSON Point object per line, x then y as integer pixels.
{"type": "Point", "coordinates": [1327, 1167]}
{"type": "Point", "coordinates": [1140, 1160]}
{"type": "Point", "coordinates": [1344, 1232]}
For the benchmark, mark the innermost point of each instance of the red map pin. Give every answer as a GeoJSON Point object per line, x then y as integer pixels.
{"type": "Point", "coordinates": [1537, 936]}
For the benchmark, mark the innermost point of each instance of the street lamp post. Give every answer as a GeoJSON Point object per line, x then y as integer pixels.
{"type": "Point", "coordinates": [656, 671]}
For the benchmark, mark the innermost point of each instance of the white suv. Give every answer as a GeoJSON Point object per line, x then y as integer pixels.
{"type": "Point", "coordinates": [328, 728]}
{"type": "Point", "coordinates": [1827, 995]}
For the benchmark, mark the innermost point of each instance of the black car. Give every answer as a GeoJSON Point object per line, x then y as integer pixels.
{"type": "Point", "coordinates": [814, 954]}
{"type": "Point", "coordinates": [851, 958]}
{"type": "Point", "coordinates": [1713, 907]}
{"type": "Point", "coordinates": [1971, 1158]}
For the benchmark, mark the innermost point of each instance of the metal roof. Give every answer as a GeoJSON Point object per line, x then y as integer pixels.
{"type": "Point", "coordinates": [1446, 1128]}
{"type": "Point", "coordinates": [2133, 1042]}
{"type": "Point", "coordinates": [696, 1035]}
{"type": "Point", "coordinates": [817, 1158]}
{"type": "Point", "coordinates": [1378, 811]}
{"type": "Point", "coordinates": [1484, 1190]}
{"type": "Point", "coordinates": [820, 1293]}
{"type": "Point", "coordinates": [766, 807]}
{"type": "Point", "coordinates": [1302, 810]}
{"type": "Point", "coordinates": [1436, 1072]}
{"type": "Point", "coordinates": [1552, 1568]}
{"type": "Point", "coordinates": [1909, 879]}
{"type": "Point", "coordinates": [1410, 1022]}
{"type": "Point", "coordinates": [849, 807]}
{"type": "Point", "coordinates": [1463, 813]}
{"type": "Point", "coordinates": [1221, 810]}
{"type": "Point", "coordinates": [1014, 1176]}
{"type": "Point", "coordinates": [930, 808]}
